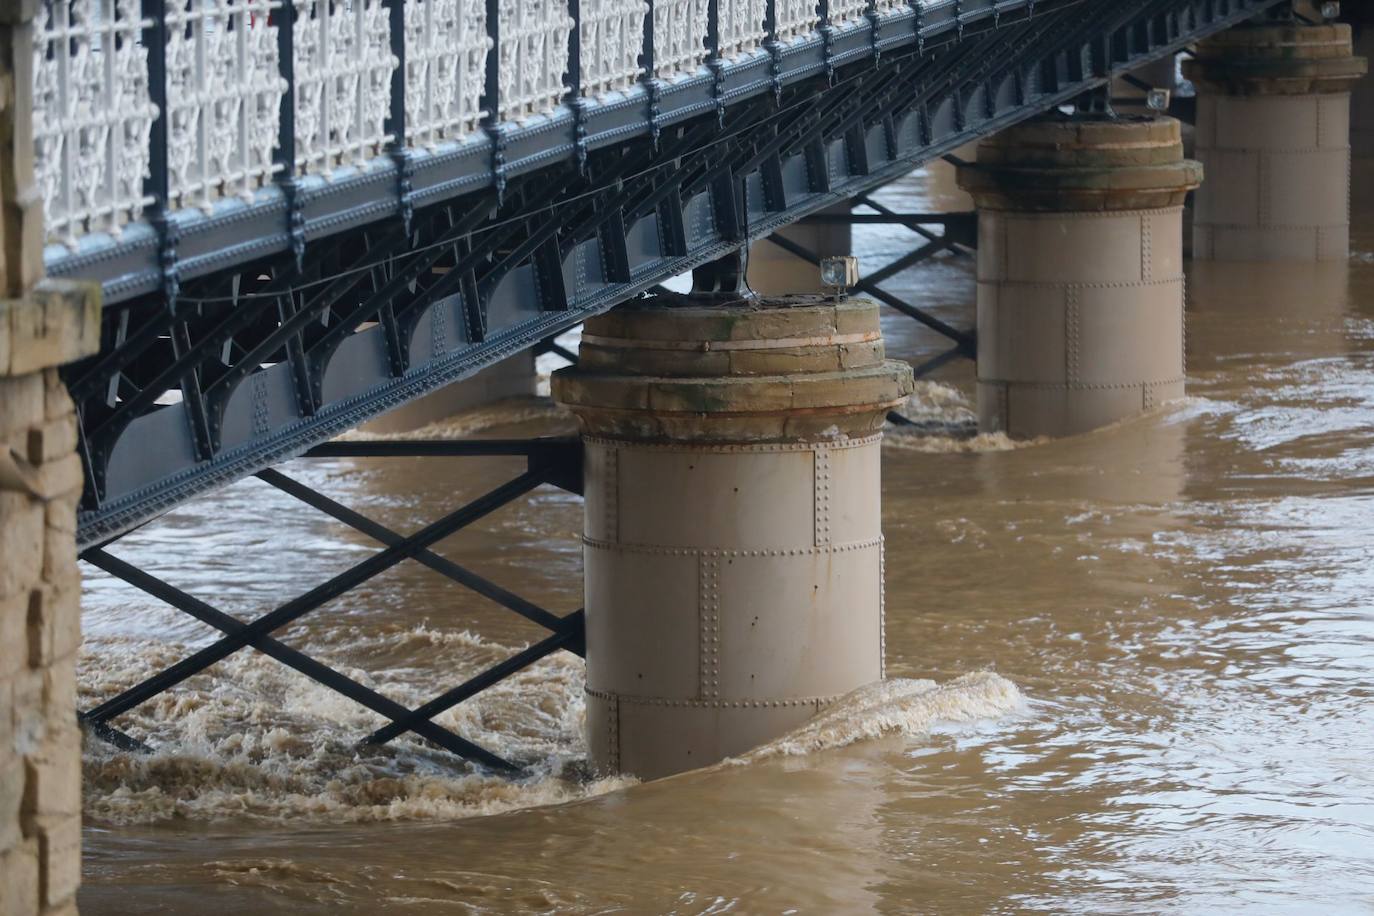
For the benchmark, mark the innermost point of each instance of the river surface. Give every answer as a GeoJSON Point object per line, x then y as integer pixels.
{"type": "Point", "coordinates": [1132, 670]}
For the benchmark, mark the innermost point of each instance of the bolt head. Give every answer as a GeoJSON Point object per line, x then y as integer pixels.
{"type": "Point", "coordinates": [1158, 99]}
{"type": "Point", "coordinates": [1331, 9]}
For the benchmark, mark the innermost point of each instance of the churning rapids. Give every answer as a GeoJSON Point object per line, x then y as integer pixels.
{"type": "Point", "coordinates": [1129, 671]}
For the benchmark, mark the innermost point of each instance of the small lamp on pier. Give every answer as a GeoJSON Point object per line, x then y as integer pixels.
{"type": "Point", "coordinates": [840, 274]}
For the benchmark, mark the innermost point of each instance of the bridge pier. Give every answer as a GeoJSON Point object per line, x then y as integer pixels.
{"type": "Point", "coordinates": [1080, 278]}
{"type": "Point", "coordinates": [733, 547]}
{"type": "Point", "coordinates": [43, 325]}
{"type": "Point", "coordinates": [1273, 132]}
{"type": "Point", "coordinates": [513, 377]}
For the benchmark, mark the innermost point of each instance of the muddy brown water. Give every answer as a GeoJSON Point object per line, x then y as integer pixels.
{"type": "Point", "coordinates": [1132, 671]}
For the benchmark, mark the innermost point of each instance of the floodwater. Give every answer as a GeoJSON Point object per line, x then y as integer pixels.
{"type": "Point", "coordinates": [1132, 671]}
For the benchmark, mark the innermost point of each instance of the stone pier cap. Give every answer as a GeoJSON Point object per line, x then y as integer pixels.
{"type": "Point", "coordinates": [1058, 163]}
{"type": "Point", "coordinates": [1279, 59]}
{"type": "Point", "coordinates": [777, 369]}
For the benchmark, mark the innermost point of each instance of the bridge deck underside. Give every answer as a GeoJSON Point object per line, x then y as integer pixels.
{"type": "Point", "coordinates": [275, 350]}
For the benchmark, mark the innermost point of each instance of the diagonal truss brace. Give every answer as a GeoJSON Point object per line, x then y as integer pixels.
{"type": "Point", "coordinates": [965, 343]}
{"type": "Point", "coordinates": [555, 461]}
{"type": "Point", "coordinates": [954, 237]}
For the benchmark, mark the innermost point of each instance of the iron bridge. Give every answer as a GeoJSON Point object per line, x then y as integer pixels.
{"type": "Point", "coordinates": [304, 213]}
{"type": "Point", "coordinates": [349, 207]}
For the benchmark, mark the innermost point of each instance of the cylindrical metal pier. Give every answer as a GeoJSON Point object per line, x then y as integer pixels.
{"type": "Point", "coordinates": [1080, 274]}
{"type": "Point", "coordinates": [732, 540]}
{"type": "Point", "coordinates": [1273, 131]}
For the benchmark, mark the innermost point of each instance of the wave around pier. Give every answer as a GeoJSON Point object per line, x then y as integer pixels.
{"type": "Point", "coordinates": [255, 740]}
{"type": "Point", "coordinates": [900, 706]}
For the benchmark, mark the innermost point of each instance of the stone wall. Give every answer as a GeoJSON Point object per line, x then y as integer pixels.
{"type": "Point", "coordinates": [40, 599]}
{"type": "Point", "coordinates": [42, 326]}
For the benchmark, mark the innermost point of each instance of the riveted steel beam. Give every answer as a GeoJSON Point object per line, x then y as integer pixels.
{"type": "Point", "coordinates": [287, 357]}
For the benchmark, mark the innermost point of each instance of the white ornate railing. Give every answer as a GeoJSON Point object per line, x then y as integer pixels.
{"type": "Point", "coordinates": [796, 19]}
{"type": "Point", "coordinates": [533, 59]}
{"type": "Point", "coordinates": [741, 26]}
{"type": "Point", "coordinates": [612, 39]}
{"type": "Point", "coordinates": [343, 82]}
{"type": "Point", "coordinates": [847, 10]}
{"type": "Point", "coordinates": [224, 90]}
{"type": "Point", "coordinates": [92, 116]}
{"type": "Point", "coordinates": [850, 11]}
{"type": "Point", "coordinates": [219, 74]}
{"type": "Point", "coordinates": [679, 37]}
{"type": "Point", "coordinates": [446, 60]}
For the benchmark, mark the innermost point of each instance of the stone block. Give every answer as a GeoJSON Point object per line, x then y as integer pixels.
{"type": "Point", "coordinates": [15, 12]}
{"type": "Point", "coordinates": [21, 214]}
{"type": "Point", "coordinates": [7, 752]}
{"type": "Point", "coordinates": [52, 776]}
{"type": "Point", "coordinates": [19, 879]}
{"type": "Point", "coordinates": [862, 355]}
{"type": "Point", "coordinates": [59, 693]}
{"type": "Point", "coordinates": [12, 788]}
{"type": "Point", "coordinates": [30, 718]}
{"type": "Point", "coordinates": [21, 402]}
{"type": "Point", "coordinates": [56, 401]}
{"type": "Point", "coordinates": [720, 395]}
{"type": "Point", "coordinates": [609, 391]}
{"type": "Point", "coordinates": [58, 479]}
{"type": "Point", "coordinates": [21, 542]}
{"type": "Point", "coordinates": [59, 857]}
{"type": "Point", "coordinates": [6, 349]}
{"type": "Point", "coordinates": [58, 322]}
{"type": "Point", "coordinates": [14, 640]}
{"type": "Point", "coordinates": [856, 316]}
{"type": "Point", "coordinates": [785, 360]}
{"type": "Point", "coordinates": [60, 513]}
{"type": "Point", "coordinates": [52, 439]}
{"type": "Point", "coordinates": [54, 623]}
{"type": "Point", "coordinates": [59, 554]}
{"type": "Point", "coordinates": [65, 908]}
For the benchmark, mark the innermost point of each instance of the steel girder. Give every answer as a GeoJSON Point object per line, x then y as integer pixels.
{"type": "Point", "coordinates": [549, 461]}
{"type": "Point", "coordinates": [254, 364]}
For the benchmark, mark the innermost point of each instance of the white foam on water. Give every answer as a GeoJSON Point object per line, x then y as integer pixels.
{"type": "Point", "coordinates": [945, 421]}
{"type": "Point", "coordinates": [934, 401]}
{"type": "Point", "coordinates": [900, 706]}
{"type": "Point", "coordinates": [920, 441]}
{"type": "Point", "coordinates": [255, 740]}
{"type": "Point", "coordinates": [472, 420]}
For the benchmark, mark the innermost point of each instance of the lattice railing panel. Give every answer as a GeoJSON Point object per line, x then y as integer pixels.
{"type": "Point", "coordinates": [796, 19]}
{"type": "Point", "coordinates": [224, 89]}
{"type": "Point", "coordinates": [679, 37]}
{"type": "Point", "coordinates": [612, 39]}
{"type": "Point", "coordinates": [92, 115]}
{"type": "Point", "coordinates": [741, 26]}
{"type": "Point", "coordinates": [446, 60]}
{"type": "Point", "coordinates": [842, 11]}
{"type": "Point", "coordinates": [343, 82]}
{"type": "Point", "coordinates": [534, 38]}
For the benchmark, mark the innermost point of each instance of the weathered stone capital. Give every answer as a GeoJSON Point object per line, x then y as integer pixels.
{"type": "Point", "coordinates": [57, 322]}
{"type": "Point", "coordinates": [13, 12]}
{"type": "Point", "coordinates": [1277, 60]}
{"type": "Point", "coordinates": [1066, 164]}
{"type": "Point", "coordinates": [795, 368]}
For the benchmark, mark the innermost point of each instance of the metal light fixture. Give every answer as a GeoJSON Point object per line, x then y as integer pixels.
{"type": "Point", "coordinates": [840, 273]}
